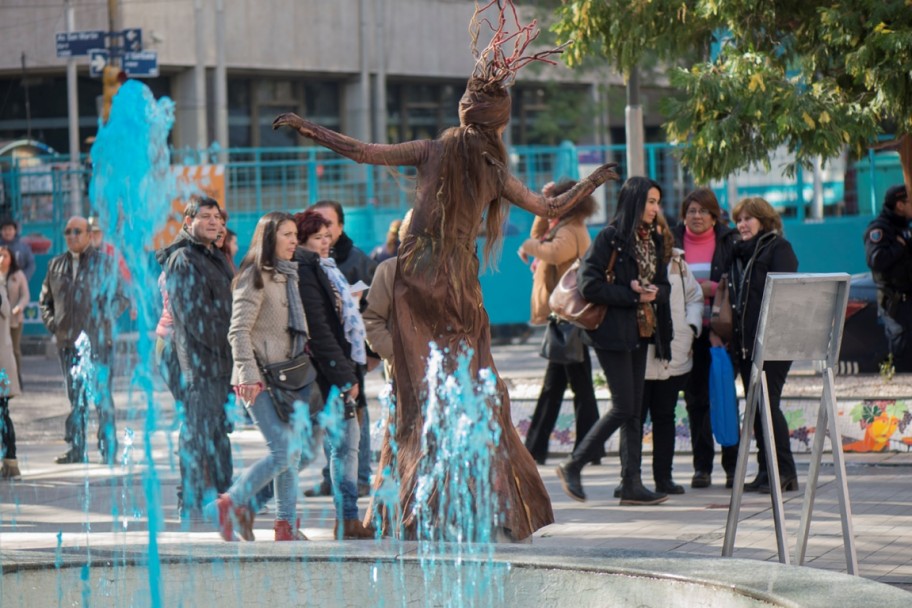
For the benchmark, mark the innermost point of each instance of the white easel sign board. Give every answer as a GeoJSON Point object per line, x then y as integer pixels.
{"type": "Point", "coordinates": [801, 317]}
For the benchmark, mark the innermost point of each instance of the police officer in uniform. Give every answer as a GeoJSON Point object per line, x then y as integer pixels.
{"type": "Point", "coordinates": [888, 251]}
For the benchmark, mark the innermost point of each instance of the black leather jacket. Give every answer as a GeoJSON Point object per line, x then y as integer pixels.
{"type": "Point", "coordinates": [198, 280]}
{"type": "Point", "coordinates": [890, 260]}
{"type": "Point", "coordinates": [91, 301]}
{"type": "Point", "coordinates": [618, 332]}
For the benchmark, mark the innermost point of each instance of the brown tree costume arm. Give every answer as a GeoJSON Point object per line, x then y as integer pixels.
{"type": "Point", "coordinates": [553, 206]}
{"type": "Point", "coordinates": [410, 153]}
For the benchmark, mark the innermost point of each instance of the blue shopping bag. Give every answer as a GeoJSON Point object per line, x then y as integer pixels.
{"type": "Point", "coordinates": [723, 403]}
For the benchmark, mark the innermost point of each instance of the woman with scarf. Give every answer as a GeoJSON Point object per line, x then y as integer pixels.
{"type": "Point", "coordinates": [638, 315]}
{"type": "Point", "coordinates": [556, 244]}
{"type": "Point", "coordinates": [761, 250]}
{"type": "Point", "coordinates": [462, 178]}
{"type": "Point", "coordinates": [268, 325]}
{"type": "Point", "coordinates": [337, 347]}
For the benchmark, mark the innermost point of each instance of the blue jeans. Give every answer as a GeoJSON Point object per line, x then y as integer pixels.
{"type": "Point", "coordinates": [364, 453]}
{"type": "Point", "coordinates": [343, 461]}
{"type": "Point", "coordinates": [289, 445]}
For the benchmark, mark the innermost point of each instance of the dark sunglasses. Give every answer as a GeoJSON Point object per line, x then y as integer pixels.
{"type": "Point", "coordinates": [73, 231]}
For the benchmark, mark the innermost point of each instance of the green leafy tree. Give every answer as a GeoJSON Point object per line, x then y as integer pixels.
{"type": "Point", "coordinates": [813, 76]}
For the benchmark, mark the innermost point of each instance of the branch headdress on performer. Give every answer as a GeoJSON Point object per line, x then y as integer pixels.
{"type": "Point", "coordinates": [474, 152]}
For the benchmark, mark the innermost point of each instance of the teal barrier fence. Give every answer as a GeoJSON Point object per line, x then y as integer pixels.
{"type": "Point", "coordinates": [43, 192]}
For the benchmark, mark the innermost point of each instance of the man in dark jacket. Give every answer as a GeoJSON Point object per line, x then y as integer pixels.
{"type": "Point", "coordinates": [888, 252]}
{"type": "Point", "coordinates": [198, 281]}
{"type": "Point", "coordinates": [356, 266]}
{"type": "Point", "coordinates": [81, 295]}
{"type": "Point", "coordinates": [9, 237]}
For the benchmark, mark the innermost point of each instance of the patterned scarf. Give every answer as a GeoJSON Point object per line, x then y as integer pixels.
{"type": "Point", "coordinates": [349, 315]}
{"type": "Point", "coordinates": [297, 321]}
{"type": "Point", "coordinates": [645, 253]}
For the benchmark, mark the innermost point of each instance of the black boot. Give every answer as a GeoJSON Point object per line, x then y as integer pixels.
{"type": "Point", "coordinates": [668, 486]}
{"type": "Point", "coordinates": [633, 492]}
{"type": "Point", "coordinates": [569, 474]}
{"type": "Point", "coordinates": [761, 480]}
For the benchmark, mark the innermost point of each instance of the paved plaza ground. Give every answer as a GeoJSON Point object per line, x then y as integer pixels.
{"type": "Point", "coordinates": [79, 506]}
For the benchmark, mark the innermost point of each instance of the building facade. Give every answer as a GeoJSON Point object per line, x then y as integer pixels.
{"type": "Point", "coordinates": [385, 70]}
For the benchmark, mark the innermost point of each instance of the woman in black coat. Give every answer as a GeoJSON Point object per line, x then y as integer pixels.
{"type": "Point", "coordinates": [332, 348]}
{"type": "Point", "coordinates": [640, 283]}
{"type": "Point", "coordinates": [761, 250]}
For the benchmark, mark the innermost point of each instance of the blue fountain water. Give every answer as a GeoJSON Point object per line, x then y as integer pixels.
{"type": "Point", "coordinates": [131, 192]}
{"type": "Point", "coordinates": [457, 508]}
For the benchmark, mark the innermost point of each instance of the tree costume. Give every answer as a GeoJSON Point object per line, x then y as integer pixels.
{"type": "Point", "coordinates": [462, 177]}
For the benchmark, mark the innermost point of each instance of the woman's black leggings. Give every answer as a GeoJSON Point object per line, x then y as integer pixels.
{"type": "Point", "coordinates": [625, 372]}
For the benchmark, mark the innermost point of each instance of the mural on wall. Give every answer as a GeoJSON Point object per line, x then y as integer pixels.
{"type": "Point", "coordinates": [879, 422]}
{"type": "Point", "coordinates": [863, 426]}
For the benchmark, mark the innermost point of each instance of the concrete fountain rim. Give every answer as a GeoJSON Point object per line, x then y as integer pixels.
{"type": "Point", "coordinates": [774, 583]}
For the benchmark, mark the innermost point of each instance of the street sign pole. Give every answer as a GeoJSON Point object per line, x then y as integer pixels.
{"type": "Point", "coordinates": [73, 119]}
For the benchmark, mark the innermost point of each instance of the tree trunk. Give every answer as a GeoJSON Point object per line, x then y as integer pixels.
{"type": "Point", "coordinates": [905, 159]}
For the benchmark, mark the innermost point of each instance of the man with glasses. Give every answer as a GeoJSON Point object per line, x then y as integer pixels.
{"type": "Point", "coordinates": [198, 282]}
{"type": "Point", "coordinates": [81, 295]}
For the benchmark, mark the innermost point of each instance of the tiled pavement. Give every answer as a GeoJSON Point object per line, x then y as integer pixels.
{"type": "Point", "coordinates": [96, 505]}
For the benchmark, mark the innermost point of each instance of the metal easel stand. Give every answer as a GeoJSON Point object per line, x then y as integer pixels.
{"type": "Point", "coordinates": [758, 397]}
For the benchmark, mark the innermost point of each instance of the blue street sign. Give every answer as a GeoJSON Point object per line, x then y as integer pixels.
{"type": "Point", "coordinates": [132, 40]}
{"type": "Point", "coordinates": [78, 44]}
{"type": "Point", "coordinates": [141, 65]}
{"type": "Point", "coordinates": [98, 59]}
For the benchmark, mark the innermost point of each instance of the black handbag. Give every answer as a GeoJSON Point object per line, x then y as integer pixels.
{"type": "Point", "coordinates": [563, 342]}
{"type": "Point", "coordinates": [285, 380]}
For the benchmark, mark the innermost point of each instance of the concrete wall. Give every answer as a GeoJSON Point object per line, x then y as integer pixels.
{"type": "Point", "coordinates": [426, 38]}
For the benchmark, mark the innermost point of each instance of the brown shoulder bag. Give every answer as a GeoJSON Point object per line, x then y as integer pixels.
{"type": "Point", "coordinates": [721, 319]}
{"type": "Point", "coordinates": [568, 303]}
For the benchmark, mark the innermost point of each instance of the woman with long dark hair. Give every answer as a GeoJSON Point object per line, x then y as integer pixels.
{"type": "Point", "coordinates": [268, 325]}
{"type": "Point", "coordinates": [11, 279]}
{"type": "Point", "coordinates": [17, 287]}
{"type": "Point", "coordinates": [761, 250]}
{"type": "Point", "coordinates": [638, 314]}
{"type": "Point", "coordinates": [462, 177]}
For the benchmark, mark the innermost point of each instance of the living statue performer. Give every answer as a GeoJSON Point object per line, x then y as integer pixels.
{"type": "Point", "coordinates": [462, 178]}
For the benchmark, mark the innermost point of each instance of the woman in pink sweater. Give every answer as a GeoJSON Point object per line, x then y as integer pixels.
{"type": "Point", "coordinates": [707, 241]}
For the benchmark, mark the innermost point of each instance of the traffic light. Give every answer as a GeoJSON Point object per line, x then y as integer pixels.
{"type": "Point", "coordinates": [111, 79]}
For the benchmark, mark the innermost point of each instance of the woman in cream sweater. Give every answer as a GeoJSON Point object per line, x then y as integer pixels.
{"type": "Point", "coordinates": [268, 326]}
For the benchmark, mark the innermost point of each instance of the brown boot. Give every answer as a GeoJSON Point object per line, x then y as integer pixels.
{"type": "Point", "coordinates": [225, 509]}
{"type": "Point", "coordinates": [10, 469]}
{"type": "Point", "coordinates": [245, 517]}
{"type": "Point", "coordinates": [353, 529]}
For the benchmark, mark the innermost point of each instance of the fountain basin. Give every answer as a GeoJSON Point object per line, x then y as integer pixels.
{"type": "Point", "coordinates": [388, 573]}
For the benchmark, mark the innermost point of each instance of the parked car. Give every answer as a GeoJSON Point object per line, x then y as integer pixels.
{"type": "Point", "coordinates": [864, 345]}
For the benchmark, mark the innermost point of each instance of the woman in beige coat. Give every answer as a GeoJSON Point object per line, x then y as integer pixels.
{"type": "Point", "coordinates": [9, 387]}
{"type": "Point", "coordinates": [268, 326]}
{"type": "Point", "coordinates": [17, 287]}
{"type": "Point", "coordinates": [555, 245]}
